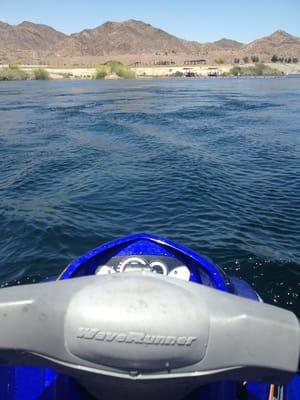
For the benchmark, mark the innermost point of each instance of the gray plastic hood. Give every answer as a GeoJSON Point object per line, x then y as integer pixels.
{"type": "Point", "coordinates": [141, 327]}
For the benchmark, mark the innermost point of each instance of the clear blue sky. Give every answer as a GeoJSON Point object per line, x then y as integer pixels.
{"type": "Point", "coordinates": [201, 20]}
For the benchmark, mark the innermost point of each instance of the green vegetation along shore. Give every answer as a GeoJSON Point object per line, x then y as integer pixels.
{"type": "Point", "coordinates": [41, 74]}
{"type": "Point", "coordinates": [14, 73]}
{"type": "Point", "coordinates": [256, 70]}
{"type": "Point", "coordinates": [110, 70]}
{"type": "Point", "coordinates": [114, 69]}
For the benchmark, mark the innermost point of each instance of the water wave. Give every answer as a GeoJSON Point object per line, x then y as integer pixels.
{"type": "Point", "coordinates": [212, 164]}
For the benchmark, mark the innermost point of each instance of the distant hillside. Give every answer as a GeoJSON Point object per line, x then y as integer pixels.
{"type": "Point", "coordinates": [28, 36]}
{"type": "Point", "coordinates": [280, 42]}
{"type": "Point", "coordinates": [130, 42]}
{"type": "Point", "coordinates": [227, 44]}
{"type": "Point", "coordinates": [129, 37]}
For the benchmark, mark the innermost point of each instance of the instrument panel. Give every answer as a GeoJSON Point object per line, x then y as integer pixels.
{"type": "Point", "coordinates": [162, 265]}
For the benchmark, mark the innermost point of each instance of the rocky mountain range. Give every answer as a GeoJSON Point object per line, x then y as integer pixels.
{"type": "Point", "coordinates": [131, 42]}
{"type": "Point", "coordinates": [28, 36]}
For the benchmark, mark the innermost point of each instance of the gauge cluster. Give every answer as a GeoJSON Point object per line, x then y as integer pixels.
{"type": "Point", "coordinates": [153, 264]}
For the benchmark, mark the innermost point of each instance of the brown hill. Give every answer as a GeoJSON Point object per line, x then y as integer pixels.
{"type": "Point", "coordinates": [279, 42]}
{"type": "Point", "coordinates": [28, 36]}
{"type": "Point", "coordinates": [227, 44]}
{"type": "Point", "coordinates": [129, 41]}
{"type": "Point", "coordinates": [129, 37]}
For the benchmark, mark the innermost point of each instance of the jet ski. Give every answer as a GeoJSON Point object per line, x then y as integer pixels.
{"type": "Point", "coordinates": [143, 317]}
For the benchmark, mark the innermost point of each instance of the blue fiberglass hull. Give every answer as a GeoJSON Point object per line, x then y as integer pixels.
{"type": "Point", "coordinates": [29, 383]}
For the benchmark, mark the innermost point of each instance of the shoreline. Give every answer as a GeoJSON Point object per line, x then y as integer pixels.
{"type": "Point", "coordinates": [187, 71]}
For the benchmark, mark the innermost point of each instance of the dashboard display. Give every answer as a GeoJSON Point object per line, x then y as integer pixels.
{"type": "Point", "coordinates": [152, 264]}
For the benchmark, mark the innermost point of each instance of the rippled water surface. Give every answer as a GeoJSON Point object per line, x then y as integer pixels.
{"type": "Point", "coordinates": [212, 164]}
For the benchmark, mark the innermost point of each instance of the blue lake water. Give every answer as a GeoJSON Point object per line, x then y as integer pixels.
{"type": "Point", "coordinates": [213, 164]}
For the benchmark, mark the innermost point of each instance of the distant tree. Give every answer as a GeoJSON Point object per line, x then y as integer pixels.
{"type": "Point", "coordinates": [114, 67]}
{"type": "Point", "coordinates": [259, 69]}
{"type": "Point", "coordinates": [281, 59]}
{"type": "Point", "coordinates": [219, 61]}
{"type": "Point", "coordinates": [274, 58]}
{"type": "Point", "coordinates": [236, 61]}
{"type": "Point", "coordinates": [254, 59]}
{"type": "Point", "coordinates": [295, 60]}
{"type": "Point", "coordinates": [41, 74]}
{"type": "Point", "coordinates": [289, 60]}
{"type": "Point", "coordinates": [178, 74]}
{"type": "Point", "coordinates": [246, 60]}
{"type": "Point", "coordinates": [235, 71]}
{"type": "Point", "coordinates": [101, 72]}
{"type": "Point", "coordinates": [12, 73]}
